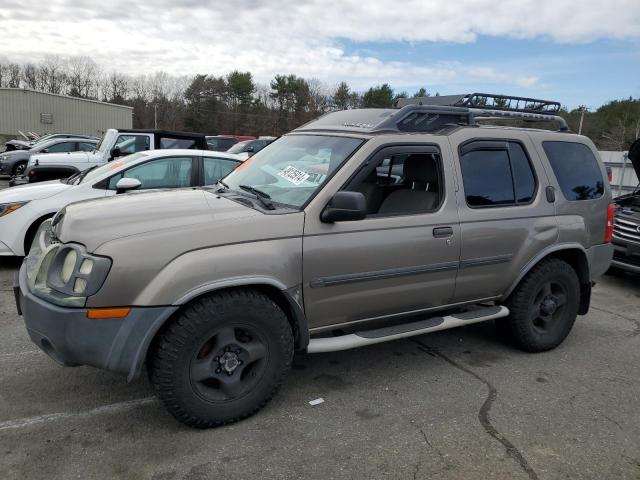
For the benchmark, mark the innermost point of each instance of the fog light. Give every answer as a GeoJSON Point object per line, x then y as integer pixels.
{"type": "Point", "coordinates": [80, 285]}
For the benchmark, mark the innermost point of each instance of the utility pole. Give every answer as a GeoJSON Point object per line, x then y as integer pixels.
{"type": "Point", "coordinates": [582, 110]}
{"type": "Point", "coordinates": [155, 116]}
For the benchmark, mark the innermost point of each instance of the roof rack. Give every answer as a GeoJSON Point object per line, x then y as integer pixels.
{"type": "Point", "coordinates": [436, 114]}
{"type": "Point", "coordinates": [487, 101]}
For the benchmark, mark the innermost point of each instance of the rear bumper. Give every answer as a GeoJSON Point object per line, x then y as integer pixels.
{"type": "Point", "coordinates": [70, 338]}
{"type": "Point", "coordinates": [599, 257]}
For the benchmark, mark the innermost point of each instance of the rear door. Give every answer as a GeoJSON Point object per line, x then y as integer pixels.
{"type": "Point", "coordinates": [505, 217]}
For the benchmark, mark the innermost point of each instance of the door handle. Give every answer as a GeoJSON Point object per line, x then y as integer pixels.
{"type": "Point", "coordinates": [441, 232]}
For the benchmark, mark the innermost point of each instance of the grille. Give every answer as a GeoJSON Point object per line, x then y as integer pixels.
{"type": "Point", "coordinates": [626, 229]}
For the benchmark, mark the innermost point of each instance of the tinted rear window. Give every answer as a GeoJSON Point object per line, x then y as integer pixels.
{"type": "Point", "coordinates": [576, 169]}
{"type": "Point", "coordinates": [487, 178]}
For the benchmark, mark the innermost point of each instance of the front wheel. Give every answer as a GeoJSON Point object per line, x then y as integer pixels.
{"type": "Point", "coordinates": [19, 169]}
{"type": "Point", "coordinates": [543, 307]}
{"type": "Point", "coordinates": [222, 358]}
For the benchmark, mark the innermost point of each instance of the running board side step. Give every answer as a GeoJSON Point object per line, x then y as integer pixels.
{"type": "Point", "coordinates": [386, 334]}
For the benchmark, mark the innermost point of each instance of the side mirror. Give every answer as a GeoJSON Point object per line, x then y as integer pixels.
{"type": "Point", "coordinates": [115, 152]}
{"type": "Point", "coordinates": [345, 206]}
{"type": "Point", "coordinates": [126, 184]}
{"type": "Point", "coordinates": [249, 149]}
{"type": "Point", "coordinates": [44, 150]}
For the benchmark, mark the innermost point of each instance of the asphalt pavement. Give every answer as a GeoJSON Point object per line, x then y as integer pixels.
{"type": "Point", "coordinates": [457, 404]}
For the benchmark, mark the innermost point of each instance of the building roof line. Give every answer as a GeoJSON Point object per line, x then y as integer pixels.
{"type": "Point", "coordinates": [66, 96]}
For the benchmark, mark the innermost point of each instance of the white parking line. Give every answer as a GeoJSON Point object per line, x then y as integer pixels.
{"type": "Point", "coordinates": [52, 417]}
{"type": "Point", "coordinates": [19, 354]}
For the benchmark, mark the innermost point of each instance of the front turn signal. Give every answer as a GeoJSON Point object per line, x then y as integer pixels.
{"type": "Point", "coordinates": [105, 313]}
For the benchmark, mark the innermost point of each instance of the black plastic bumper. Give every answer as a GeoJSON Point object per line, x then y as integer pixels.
{"type": "Point", "coordinates": [70, 338]}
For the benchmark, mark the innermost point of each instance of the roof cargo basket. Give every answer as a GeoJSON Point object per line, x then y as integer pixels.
{"type": "Point", "coordinates": [439, 113]}
{"type": "Point", "coordinates": [487, 101]}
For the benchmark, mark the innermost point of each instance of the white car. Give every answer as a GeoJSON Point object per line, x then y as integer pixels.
{"type": "Point", "coordinates": [23, 208]}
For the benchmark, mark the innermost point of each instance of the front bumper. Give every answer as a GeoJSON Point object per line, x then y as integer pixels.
{"type": "Point", "coordinates": [70, 338]}
{"type": "Point", "coordinates": [626, 256]}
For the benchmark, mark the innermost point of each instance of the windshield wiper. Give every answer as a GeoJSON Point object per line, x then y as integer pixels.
{"type": "Point", "coordinates": [224, 185]}
{"type": "Point", "coordinates": [264, 198]}
{"type": "Point", "coordinates": [70, 179]}
{"type": "Point", "coordinates": [84, 174]}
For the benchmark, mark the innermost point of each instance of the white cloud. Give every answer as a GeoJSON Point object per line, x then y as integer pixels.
{"type": "Point", "coordinates": [302, 37]}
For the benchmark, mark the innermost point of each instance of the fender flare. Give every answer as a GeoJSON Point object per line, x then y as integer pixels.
{"type": "Point", "coordinates": [545, 253]}
{"type": "Point", "coordinates": [287, 300]}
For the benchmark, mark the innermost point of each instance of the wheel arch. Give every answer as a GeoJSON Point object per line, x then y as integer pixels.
{"type": "Point", "coordinates": [31, 231]}
{"type": "Point", "coordinates": [284, 298]}
{"type": "Point", "coordinates": [576, 256]}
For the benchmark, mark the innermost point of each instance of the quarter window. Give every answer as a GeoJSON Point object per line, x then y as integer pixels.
{"type": "Point", "coordinates": [497, 174]}
{"type": "Point", "coordinates": [171, 172]}
{"type": "Point", "coordinates": [576, 169]}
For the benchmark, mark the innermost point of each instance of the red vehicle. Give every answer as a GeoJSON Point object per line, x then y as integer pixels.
{"type": "Point", "coordinates": [222, 143]}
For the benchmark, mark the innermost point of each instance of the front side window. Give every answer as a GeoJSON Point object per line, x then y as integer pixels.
{"type": "Point", "coordinates": [294, 168]}
{"type": "Point", "coordinates": [497, 175]}
{"type": "Point", "coordinates": [86, 147]}
{"type": "Point", "coordinates": [128, 144]}
{"type": "Point", "coordinates": [169, 172]}
{"type": "Point", "coordinates": [400, 183]}
{"type": "Point", "coordinates": [217, 168]}
{"type": "Point", "coordinates": [62, 147]}
{"type": "Point", "coordinates": [576, 169]}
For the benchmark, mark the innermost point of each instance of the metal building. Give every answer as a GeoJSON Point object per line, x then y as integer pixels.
{"type": "Point", "coordinates": [39, 112]}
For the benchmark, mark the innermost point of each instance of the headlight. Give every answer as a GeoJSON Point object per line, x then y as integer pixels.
{"type": "Point", "coordinates": [7, 208]}
{"type": "Point", "coordinates": [67, 274]}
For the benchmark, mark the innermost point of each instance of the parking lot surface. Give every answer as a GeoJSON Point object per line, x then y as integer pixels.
{"type": "Point", "coordinates": [456, 404]}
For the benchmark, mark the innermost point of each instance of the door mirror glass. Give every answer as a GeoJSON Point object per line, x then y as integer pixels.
{"type": "Point", "coordinates": [115, 152]}
{"type": "Point", "coordinates": [126, 184]}
{"type": "Point", "coordinates": [345, 206]}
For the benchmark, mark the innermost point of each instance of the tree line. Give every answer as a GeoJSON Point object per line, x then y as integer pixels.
{"type": "Point", "coordinates": [236, 103]}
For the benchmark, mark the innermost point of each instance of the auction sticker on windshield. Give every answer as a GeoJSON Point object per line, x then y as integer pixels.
{"type": "Point", "coordinates": [294, 175]}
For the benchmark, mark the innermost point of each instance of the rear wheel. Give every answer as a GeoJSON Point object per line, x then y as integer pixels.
{"type": "Point", "coordinates": [222, 358]}
{"type": "Point", "coordinates": [19, 168]}
{"type": "Point", "coordinates": [543, 307]}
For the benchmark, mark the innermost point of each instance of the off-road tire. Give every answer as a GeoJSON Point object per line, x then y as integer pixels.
{"type": "Point", "coordinates": [519, 328]}
{"type": "Point", "coordinates": [17, 167]}
{"type": "Point", "coordinates": [171, 362]}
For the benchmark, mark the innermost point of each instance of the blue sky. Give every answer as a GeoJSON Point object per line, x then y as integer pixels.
{"type": "Point", "coordinates": [589, 73]}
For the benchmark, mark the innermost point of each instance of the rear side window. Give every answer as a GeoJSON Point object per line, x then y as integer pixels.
{"type": "Point", "coordinates": [172, 143]}
{"type": "Point", "coordinates": [496, 174]}
{"type": "Point", "coordinates": [576, 169]}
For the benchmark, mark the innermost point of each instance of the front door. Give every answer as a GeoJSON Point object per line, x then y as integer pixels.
{"type": "Point", "coordinates": [402, 258]}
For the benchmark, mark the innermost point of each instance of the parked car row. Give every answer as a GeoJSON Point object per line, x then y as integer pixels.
{"type": "Point", "coordinates": [240, 144]}
{"type": "Point", "coordinates": [360, 227]}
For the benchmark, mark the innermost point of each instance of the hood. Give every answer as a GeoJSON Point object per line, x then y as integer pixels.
{"type": "Point", "coordinates": [634, 156]}
{"type": "Point", "coordinates": [66, 158]}
{"type": "Point", "coordinates": [95, 222]}
{"type": "Point", "coordinates": [15, 155]}
{"type": "Point", "coordinates": [32, 191]}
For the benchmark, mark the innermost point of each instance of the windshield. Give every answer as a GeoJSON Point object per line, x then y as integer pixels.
{"type": "Point", "coordinates": [111, 166]}
{"type": "Point", "coordinates": [292, 169]}
{"type": "Point", "coordinates": [106, 141]}
{"type": "Point", "coordinates": [239, 147]}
